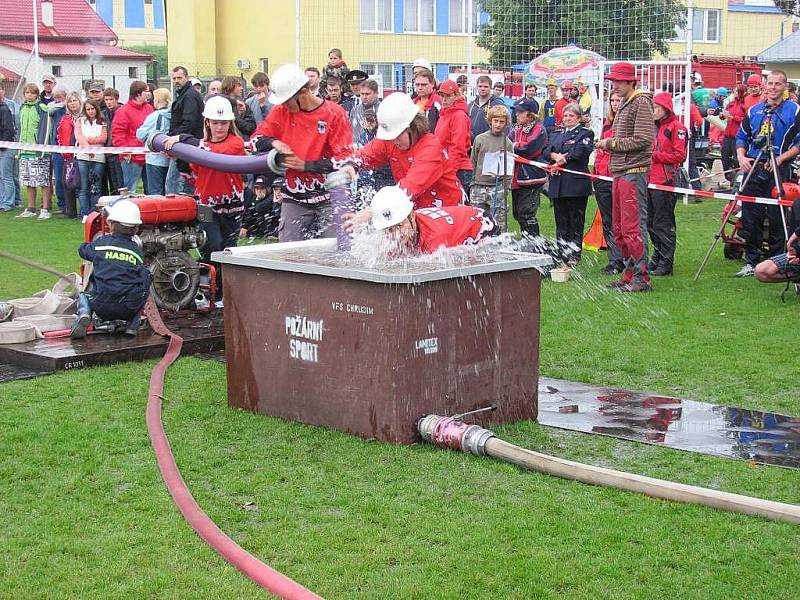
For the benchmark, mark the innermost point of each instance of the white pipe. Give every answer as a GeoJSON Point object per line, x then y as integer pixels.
{"type": "Point", "coordinates": [297, 23]}
{"type": "Point", "coordinates": [454, 434]}
{"type": "Point", "coordinates": [469, 41]}
{"type": "Point", "coordinates": [687, 86]}
{"type": "Point", "coordinates": [36, 42]}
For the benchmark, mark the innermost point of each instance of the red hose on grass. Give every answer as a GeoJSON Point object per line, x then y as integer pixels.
{"type": "Point", "coordinates": [271, 580]}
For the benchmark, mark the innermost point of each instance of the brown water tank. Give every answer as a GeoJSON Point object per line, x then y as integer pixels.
{"type": "Point", "coordinates": [370, 353]}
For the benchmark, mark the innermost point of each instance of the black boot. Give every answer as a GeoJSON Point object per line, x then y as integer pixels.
{"type": "Point", "coordinates": [132, 328]}
{"type": "Point", "coordinates": [664, 268]}
{"type": "Point", "coordinates": [82, 319]}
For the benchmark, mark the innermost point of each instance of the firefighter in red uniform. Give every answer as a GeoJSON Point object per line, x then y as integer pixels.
{"type": "Point", "coordinates": [418, 162]}
{"type": "Point", "coordinates": [669, 153]}
{"type": "Point", "coordinates": [426, 229]}
{"type": "Point", "coordinates": [312, 135]}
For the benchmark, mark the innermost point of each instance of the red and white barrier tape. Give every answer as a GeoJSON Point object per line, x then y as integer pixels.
{"type": "Point", "coordinates": [53, 149]}
{"type": "Point", "coordinates": [663, 188]}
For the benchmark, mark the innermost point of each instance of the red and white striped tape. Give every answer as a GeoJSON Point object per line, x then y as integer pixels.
{"type": "Point", "coordinates": [663, 188]}
{"type": "Point", "coordinates": [53, 149]}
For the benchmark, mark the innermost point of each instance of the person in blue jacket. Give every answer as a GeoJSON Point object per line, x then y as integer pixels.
{"type": "Point", "coordinates": [120, 281]}
{"type": "Point", "coordinates": [569, 147]}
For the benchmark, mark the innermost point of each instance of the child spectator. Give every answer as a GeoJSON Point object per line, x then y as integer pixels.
{"type": "Point", "coordinates": [120, 282]}
{"type": "Point", "coordinates": [66, 137]}
{"type": "Point", "coordinates": [258, 102]}
{"type": "Point", "coordinates": [90, 130]}
{"type": "Point", "coordinates": [530, 138]}
{"type": "Point", "coordinates": [221, 191]}
{"type": "Point", "coordinates": [35, 169]}
{"type": "Point", "coordinates": [336, 67]}
{"type": "Point", "coordinates": [262, 209]}
{"type": "Point", "coordinates": [488, 192]}
{"type": "Point", "coordinates": [156, 164]}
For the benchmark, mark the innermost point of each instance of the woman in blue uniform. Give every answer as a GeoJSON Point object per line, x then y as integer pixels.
{"type": "Point", "coordinates": [569, 147]}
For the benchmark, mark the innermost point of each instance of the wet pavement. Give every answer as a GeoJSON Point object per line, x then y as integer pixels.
{"type": "Point", "coordinates": [753, 435]}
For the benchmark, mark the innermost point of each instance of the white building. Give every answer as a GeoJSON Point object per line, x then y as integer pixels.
{"type": "Point", "coordinates": [75, 45]}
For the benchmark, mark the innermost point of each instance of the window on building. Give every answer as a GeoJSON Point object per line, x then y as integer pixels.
{"type": "Point", "coordinates": [420, 16]}
{"type": "Point", "coordinates": [383, 72]}
{"type": "Point", "coordinates": [148, 2]}
{"type": "Point", "coordinates": [376, 15]}
{"type": "Point", "coordinates": [263, 65]}
{"type": "Point", "coordinates": [133, 73]}
{"type": "Point", "coordinates": [459, 16]}
{"type": "Point", "coordinates": [706, 25]}
{"type": "Point", "coordinates": [57, 71]}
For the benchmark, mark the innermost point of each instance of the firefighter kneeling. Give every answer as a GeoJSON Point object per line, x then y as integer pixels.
{"type": "Point", "coordinates": [120, 282]}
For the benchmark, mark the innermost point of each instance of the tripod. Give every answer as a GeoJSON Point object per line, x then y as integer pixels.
{"type": "Point", "coordinates": [764, 145]}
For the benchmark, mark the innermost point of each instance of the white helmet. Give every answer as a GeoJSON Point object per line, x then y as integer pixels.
{"type": "Point", "coordinates": [218, 108]}
{"type": "Point", "coordinates": [285, 83]}
{"type": "Point", "coordinates": [125, 212]}
{"type": "Point", "coordinates": [394, 115]}
{"type": "Point", "coordinates": [422, 62]}
{"type": "Point", "coordinates": [390, 206]}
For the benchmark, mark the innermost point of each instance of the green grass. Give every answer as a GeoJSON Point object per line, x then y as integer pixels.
{"type": "Point", "coordinates": [87, 515]}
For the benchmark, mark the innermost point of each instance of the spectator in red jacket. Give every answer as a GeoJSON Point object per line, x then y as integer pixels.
{"type": "Point", "coordinates": [669, 153]}
{"type": "Point", "coordinates": [734, 113]}
{"type": "Point", "coordinates": [426, 98]}
{"type": "Point", "coordinates": [453, 131]}
{"type": "Point", "coordinates": [561, 103]}
{"type": "Point", "coordinates": [127, 120]}
{"type": "Point", "coordinates": [419, 163]}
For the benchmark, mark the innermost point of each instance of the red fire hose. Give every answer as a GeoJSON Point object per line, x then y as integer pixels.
{"type": "Point", "coordinates": [265, 576]}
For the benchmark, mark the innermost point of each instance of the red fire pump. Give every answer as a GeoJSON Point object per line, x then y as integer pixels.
{"type": "Point", "coordinates": [170, 230]}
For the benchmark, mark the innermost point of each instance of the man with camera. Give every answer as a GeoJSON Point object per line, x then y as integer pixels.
{"type": "Point", "coordinates": [770, 128]}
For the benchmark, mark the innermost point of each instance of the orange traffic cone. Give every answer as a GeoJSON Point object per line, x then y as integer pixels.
{"type": "Point", "coordinates": [594, 239]}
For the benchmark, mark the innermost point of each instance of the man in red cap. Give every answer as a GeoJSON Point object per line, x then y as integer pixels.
{"type": "Point", "coordinates": [561, 103]}
{"type": "Point", "coordinates": [668, 156]}
{"type": "Point", "coordinates": [631, 149]}
{"type": "Point", "coordinates": [754, 91]}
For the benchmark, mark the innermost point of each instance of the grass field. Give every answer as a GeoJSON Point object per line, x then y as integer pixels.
{"type": "Point", "coordinates": [86, 514]}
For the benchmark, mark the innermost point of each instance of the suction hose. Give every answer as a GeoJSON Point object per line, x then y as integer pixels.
{"type": "Point", "coordinates": [265, 576]}
{"type": "Point", "coordinates": [256, 163]}
{"type": "Point", "coordinates": [337, 183]}
{"type": "Point", "coordinates": [452, 433]}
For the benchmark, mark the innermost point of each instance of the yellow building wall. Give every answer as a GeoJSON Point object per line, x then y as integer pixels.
{"type": "Point", "coordinates": [221, 32]}
{"type": "Point", "coordinates": [191, 37]}
{"type": "Point", "coordinates": [792, 69]}
{"type": "Point", "coordinates": [743, 34]}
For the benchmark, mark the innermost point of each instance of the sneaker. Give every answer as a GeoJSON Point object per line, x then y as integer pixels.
{"type": "Point", "coordinates": [27, 213]}
{"type": "Point", "coordinates": [79, 327]}
{"type": "Point", "coordinates": [637, 286]}
{"type": "Point", "coordinates": [218, 304]}
{"type": "Point", "coordinates": [44, 214]}
{"type": "Point", "coordinates": [746, 271]}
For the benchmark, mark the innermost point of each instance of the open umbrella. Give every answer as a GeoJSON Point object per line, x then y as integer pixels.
{"type": "Point", "coordinates": [561, 64]}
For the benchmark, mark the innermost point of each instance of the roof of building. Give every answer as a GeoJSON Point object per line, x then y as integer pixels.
{"type": "Point", "coordinates": [9, 74]}
{"type": "Point", "coordinates": [785, 51]}
{"type": "Point", "coordinates": [82, 49]}
{"type": "Point", "coordinates": [72, 19]}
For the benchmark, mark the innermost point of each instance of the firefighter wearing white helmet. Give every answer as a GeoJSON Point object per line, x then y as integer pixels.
{"type": "Point", "coordinates": [418, 162]}
{"type": "Point", "coordinates": [312, 137]}
{"type": "Point", "coordinates": [218, 108]}
{"type": "Point", "coordinates": [424, 230]}
{"type": "Point", "coordinates": [120, 282]}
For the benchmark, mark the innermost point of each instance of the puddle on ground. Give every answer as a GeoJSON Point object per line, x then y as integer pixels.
{"type": "Point", "coordinates": [753, 435]}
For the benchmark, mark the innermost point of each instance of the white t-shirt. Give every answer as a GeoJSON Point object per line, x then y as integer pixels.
{"type": "Point", "coordinates": [91, 130]}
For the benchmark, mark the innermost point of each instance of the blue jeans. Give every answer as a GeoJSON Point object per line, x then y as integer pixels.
{"type": "Point", "coordinates": [91, 184]}
{"type": "Point", "coordinates": [7, 191]}
{"type": "Point", "coordinates": [58, 175]}
{"type": "Point", "coordinates": [174, 179]}
{"type": "Point", "coordinates": [156, 179]}
{"type": "Point", "coordinates": [131, 174]}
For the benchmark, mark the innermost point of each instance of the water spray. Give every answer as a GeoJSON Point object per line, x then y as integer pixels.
{"type": "Point", "coordinates": [454, 434]}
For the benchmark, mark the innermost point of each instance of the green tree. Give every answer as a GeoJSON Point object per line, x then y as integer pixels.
{"type": "Point", "coordinates": [158, 67]}
{"type": "Point", "coordinates": [520, 30]}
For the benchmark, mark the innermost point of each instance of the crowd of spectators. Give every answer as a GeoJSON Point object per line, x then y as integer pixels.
{"type": "Point", "coordinates": [466, 132]}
